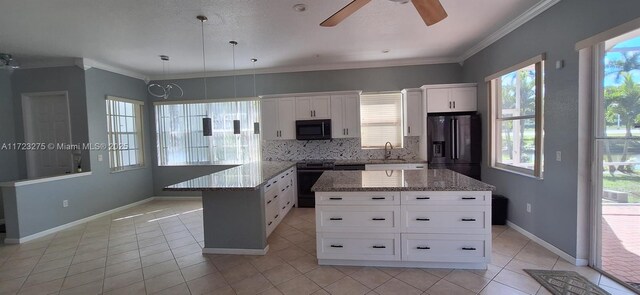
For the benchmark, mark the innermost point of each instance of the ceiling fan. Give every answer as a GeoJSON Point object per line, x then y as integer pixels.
{"type": "Point", "coordinates": [431, 11]}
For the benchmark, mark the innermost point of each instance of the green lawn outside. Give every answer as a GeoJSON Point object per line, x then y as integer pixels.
{"type": "Point", "coordinates": [629, 183]}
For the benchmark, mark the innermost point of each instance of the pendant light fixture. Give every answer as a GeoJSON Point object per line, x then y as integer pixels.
{"type": "Point", "coordinates": [207, 129]}
{"type": "Point", "coordinates": [256, 125]}
{"type": "Point", "coordinates": [236, 123]}
{"type": "Point", "coordinates": [164, 91]}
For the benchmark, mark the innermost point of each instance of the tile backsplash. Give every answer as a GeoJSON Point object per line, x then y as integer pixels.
{"type": "Point", "coordinates": [339, 149]}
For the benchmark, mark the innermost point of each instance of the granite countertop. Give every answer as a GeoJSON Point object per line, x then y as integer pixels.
{"type": "Point", "coordinates": [248, 176]}
{"type": "Point", "coordinates": [398, 180]}
{"type": "Point", "coordinates": [377, 161]}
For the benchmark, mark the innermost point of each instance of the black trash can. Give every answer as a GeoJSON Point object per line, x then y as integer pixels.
{"type": "Point", "coordinates": [499, 205]}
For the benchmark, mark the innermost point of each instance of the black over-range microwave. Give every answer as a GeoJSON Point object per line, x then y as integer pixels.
{"type": "Point", "coordinates": [313, 129]}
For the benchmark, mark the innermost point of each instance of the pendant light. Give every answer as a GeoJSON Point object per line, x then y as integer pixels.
{"type": "Point", "coordinates": [256, 125]}
{"type": "Point", "coordinates": [207, 129]}
{"type": "Point", "coordinates": [165, 91]}
{"type": "Point", "coordinates": [236, 123]}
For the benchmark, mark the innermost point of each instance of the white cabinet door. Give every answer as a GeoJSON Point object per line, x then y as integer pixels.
{"type": "Point", "coordinates": [286, 118]}
{"type": "Point", "coordinates": [304, 110]}
{"type": "Point", "coordinates": [270, 122]}
{"type": "Point", "coordinates": [321, 107]}
{"type": "Point", "coordinates": [464, 99]}
{"type": "Point", "coordinates": [438, 100]}
{"type": "Point", "coordinates": [338, 130]}
{"type": "Point", "coordinates": [351, 121]}
{"type": "Point", "coordinates": [414, 119]}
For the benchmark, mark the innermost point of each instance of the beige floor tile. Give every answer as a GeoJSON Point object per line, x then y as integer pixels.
{"type": "Point", "coordinates": [191, 259]}
{"type": "Point", "coordinates": [92, 288]}
{"type": "Point", "coordinates": [281, 274]}
{"type": "Point", "coordinates": [15, 273]}
{"type": "Point", "coordinates": [467, 280]}
{"type": "Point", "coordinates": [44, 288]}
{"type": "Point", "coordinates": [500, 260]}
{"type": "Point", "coordinates": [112, 250]}
{"type": "Point", "coordinates": [133, 289]}
{"type": "Point", "coordinates": [347, 286]}
{"type": "Point", "coordinates": [156, 258]}
{"type": "Point", "coordinates": [187, 250]}
{"type": "Point", "coordinates": [305, 263]}
{"type": "Point", "coordinates": [151, 241]}
{"type": "Point", "coordinates": [518, 266]}
{"type": "Point", "coordinates": [418, 278]}
{"type": "Point", "coordinates": [252, 285]}
{"type": "Point", "coordinates": [182, 242]}
{"type": "Point", "coordinates": [122, 257]}
{"type": "Point", "coordinates": [589, 273]}
{"type": "Point", "coordinates": [92, 255]}
{"type": "Point", "coordinates": [228, 261]}
{"type": "Point", "coordinates": [207, 284]}
{"type": "Point", "coordinates": [181, 289]}
{"type": "Point", "coordinates": [443, 287]}
{"type": "Point", "coordinates": [265, 263]}
{"type": "Point", "coordinates": [198, 270]}
{"type": "Point", "coordinates": [325, 275]}
{"type": "Point", "coordinates": [46, 276]}
{"type": "Point", "coordinates": [370, 277]}
{"type": "Point", "coordinates": [160, 269]}
{"type": "Point", "coordinates": [291, 253]}
{"type": "Point", "coordinates": [524, 283]}
{"type": "Point", "coordinates": [57, 255]}
{"type": "Point", "coordinates": [395, 286]}
{"type": "Point", "coordinates": [86, 266]}
{"type": "Point", "coordinates": [299, 285]}
{"type": "Point", "coordinates": [122, 280]}
{"type": "Point", "coordinates": [438, 272]}
{"type": "Point", "coordinates": [122, 267]}
{"type": "Point", "coordinates": [11, 286]}
{"type": "Point", "coordinates": [392, 271]}
{"type": "Point", "coordinates": [155, 249]}
{"type": "Point", "coordinates": [164, 281]}
{"type": "Point", "coordinates": [275, 291]}
{"type": "Point", "coordinates": [83, 278]}
{"type": "Point", "coordinates": [53, 264]}
{"type": "Point", "coordinates": [239, 272]}
{"type": "Point", "coordinates": [489, 273]}
{"type": "Point", "coordinates": [495, 288]}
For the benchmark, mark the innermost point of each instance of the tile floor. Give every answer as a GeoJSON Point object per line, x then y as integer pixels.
{"type": "Point", "coordinates": [621, 241]}
{"type": "Point", "coordinates": [155, 248]}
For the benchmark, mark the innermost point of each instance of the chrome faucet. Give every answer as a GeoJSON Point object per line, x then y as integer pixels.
{"type": "Point", "coordinates": [387, 152]}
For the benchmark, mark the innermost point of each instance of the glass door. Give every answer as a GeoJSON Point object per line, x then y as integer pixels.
{"type": "Point", "coordinates": [617, 158]}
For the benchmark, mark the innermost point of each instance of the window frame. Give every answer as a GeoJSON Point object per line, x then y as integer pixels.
{"type": "Point", "coordinates": [138, 117]}
{"type": "Point", "coordinates": [400, 123]}
{"type": "Point", "coordinates": [494, 120]}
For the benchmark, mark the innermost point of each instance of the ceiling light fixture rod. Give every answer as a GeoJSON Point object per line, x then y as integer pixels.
{"type": "Point", "coordinates": [235, 89]}
{"type": "Point", "coordinates": [203, 19]}
{"type": "Point", "coordinates": [254, 60]}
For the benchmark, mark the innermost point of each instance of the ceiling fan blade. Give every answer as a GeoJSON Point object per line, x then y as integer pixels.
{"type": "Point", "coordinates": [343, 13]}
{"type": "Point", "coordinates": [431, 11]}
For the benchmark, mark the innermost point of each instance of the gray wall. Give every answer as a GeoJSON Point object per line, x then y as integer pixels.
{"type": "Point", "coordinates": [8, 158]}
{"type": "Point", "coordinates": [372, 79]}
{"type": "Point", "coordinates": [69, 79]}
{"type": "Point", "coordinates": [39, 206]}
{"type": "Point", "coordinates": [555, 32]}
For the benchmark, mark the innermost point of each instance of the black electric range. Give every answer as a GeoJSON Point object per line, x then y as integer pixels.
{"type": "Point", "coordinates": [308, 173]}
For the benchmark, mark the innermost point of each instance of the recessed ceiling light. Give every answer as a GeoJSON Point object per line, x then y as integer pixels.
{"type": "Point", "coordinates": [300, 7]}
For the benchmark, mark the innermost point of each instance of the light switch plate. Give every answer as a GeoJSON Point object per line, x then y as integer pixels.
{"type": "Point", "coordinates": [559, 156]}
{"type": "Point", "coordinates": [99, 158]}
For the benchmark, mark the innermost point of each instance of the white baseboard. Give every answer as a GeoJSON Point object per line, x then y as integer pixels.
{"type": "Point", "coordinates": [86, 219]}
{"type": "Point", "coordinates": [236, 251]}
{"type": "Point", "coordinates": [546, 245]}
{"type": "Point", "coordinates": [404, 264]}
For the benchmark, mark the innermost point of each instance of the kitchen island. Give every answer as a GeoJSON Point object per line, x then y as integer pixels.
{"type": "Point", "coordinates": [242, 205]}
{"type": "Point", "coordinates": [403, 218]}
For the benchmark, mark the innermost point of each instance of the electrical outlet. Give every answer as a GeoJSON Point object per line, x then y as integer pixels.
{"type": "Point", "coordinates": [528, 208]}
{"type": "Point", "coordinates": [559, 156]}
{"type": "Point", "coordinates": [99, 158]}
{"type": "Point", "coordinates": [65, 203]}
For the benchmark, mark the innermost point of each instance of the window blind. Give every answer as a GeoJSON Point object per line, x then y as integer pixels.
{"type": "Point", "coordinates": [381, 119]}
{"type": "Point", "coordinates": [124, 132]}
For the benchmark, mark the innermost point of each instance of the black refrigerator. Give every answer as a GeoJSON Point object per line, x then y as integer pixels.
{"type": "Point", "coordinates": [455, 142]}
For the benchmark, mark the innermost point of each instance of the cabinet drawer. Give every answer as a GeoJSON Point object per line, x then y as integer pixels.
{"type": "Point", "coordinates": [358, 246]}
{"type": "Point", "coordinates": [445, 219]}
{"type": "Point", "coordinates": [444, 248]}
{"type": "Point", "coordinates": [358, 219]}
{"type": "Point", "coordinates": [453, 198]}
{"type": "Point", "coordinates": [358, 198]}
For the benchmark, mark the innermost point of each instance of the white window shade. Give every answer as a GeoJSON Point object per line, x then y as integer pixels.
{"type": "Point", "coordinates": [381, 119]}
{"type": "Point", "coordinates": [124, 132]}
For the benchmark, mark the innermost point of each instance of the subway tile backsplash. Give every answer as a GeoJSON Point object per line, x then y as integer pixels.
{"type": "Point", "coordinates": [338, 149]}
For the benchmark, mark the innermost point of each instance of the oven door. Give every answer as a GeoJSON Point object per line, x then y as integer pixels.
{"type": "Point", "coordinates": [313, 129]}
{"type": "Point", "coordinates": [306, 180]}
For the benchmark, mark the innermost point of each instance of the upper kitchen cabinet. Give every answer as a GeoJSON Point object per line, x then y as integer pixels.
{"type": "Point", "coordinates": [278, 118]}
{"type": "Point", "coordinates": [414, 117]}
{"type": "Point", "coordinates": [345, 116]}
{"type": "Point", "coordinates": [313, 107]}
{"type": "Point", "coordinates": [448, 98]}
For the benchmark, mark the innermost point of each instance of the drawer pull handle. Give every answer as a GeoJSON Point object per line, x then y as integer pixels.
{"type": "Point", "coordinates": [269, 202]}
{"type": "Point", "coordinates": [288, 203]}
{"type": "Point", "coordinates": [277, 216]}
{"type": "Point", "coordinates": [378, 219]}
{"type": "Point", "coordinates": [275, 196]}
{"type": "Point", "coordinates": [423, 198]}
{"type": "Point", "coordinates": [275, 181]}
{"type": "Point", "coordinates": [282, 176]}
{"type": "Point", "coordinates": [423, 219]}
{"type": "Point", "coordinates": [468, 198]}
{"type": "Point", "coordinates": [424, 248]}
{"type": "Point", "coordinates": [284, 207]}
{"type": "Point", "coordinates": [379, 247]}
{"type": "Point", "coordinates": [468, 249]}
{"type": "Point", "coordinates": [336, 246]}
{"type": "Point", "coordinates": [378, 198]}
{"type": "Point", "coordinates": [283, 189]}
{"type": "Point", "coordinates": [335, 199]}
{"type": "Point", "coordinates": [268, 185]}
{"type": "Point", "coordinates": [335, 218]}
{"type": "Point", "coordinates": [270, 222]}
{"type": "Point", "coordinates": [468, 219]}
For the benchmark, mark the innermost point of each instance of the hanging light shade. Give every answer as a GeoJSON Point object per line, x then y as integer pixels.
{"type": "Point", "coordinates": [207, 128]}
{"type": "Point", "coordinates": [169, 89]}
{"type": "Point", "coordinates": [236, 123]}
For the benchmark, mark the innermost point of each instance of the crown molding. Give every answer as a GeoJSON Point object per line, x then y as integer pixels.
{"type": "Point", "coordinates": [309, 68]}
{"type": "Point", "coordinates": [48, 63]}
{"type": "Point", "coordinates": [86, 63]}
{"type": "Point", "coordinates": [528, 15]}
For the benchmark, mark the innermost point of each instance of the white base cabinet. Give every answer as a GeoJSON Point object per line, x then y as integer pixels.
{"type": "Point", "coordinates": [449, 229]}
{"type": "Point", "coordinates": [280, 196]}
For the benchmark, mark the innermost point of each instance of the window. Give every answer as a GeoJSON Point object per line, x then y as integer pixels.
{"type": "Point", "coordinates": [181, 141]}
{"type": "Point", "coordinates": [516, 118]}
{"type": "Point", "coordinates": [124, 132]}
{"type": "Point", "coordinates": [381, 119]}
